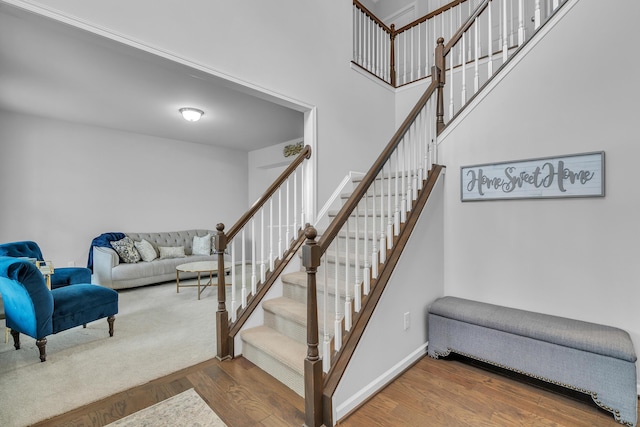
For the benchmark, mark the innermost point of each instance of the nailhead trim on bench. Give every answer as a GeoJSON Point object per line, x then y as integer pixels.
{"type": "Point", "coordinates": [594, 395]}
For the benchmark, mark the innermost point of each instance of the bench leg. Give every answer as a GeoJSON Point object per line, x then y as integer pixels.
{"type": "Point", "coordinates": [111, 319]}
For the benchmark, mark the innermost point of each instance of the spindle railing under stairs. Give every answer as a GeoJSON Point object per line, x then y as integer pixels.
{"type": "Point", "coordinates": [260, 244]}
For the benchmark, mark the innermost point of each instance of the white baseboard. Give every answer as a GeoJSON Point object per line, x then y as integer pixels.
{"type": "Point", "coordinates": [349, 405]}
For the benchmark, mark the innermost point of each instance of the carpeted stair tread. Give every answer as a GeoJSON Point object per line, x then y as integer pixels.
{"type": "Point", "coordinates": [287, 308]}
{"type": "Point", "coordinates": [282, 348]}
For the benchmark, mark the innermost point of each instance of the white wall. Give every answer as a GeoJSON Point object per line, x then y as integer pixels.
{"type": "Point", "coordinates": [300, 50]}
{"type": "Point", "coordinates": [265, 165]}
{"type": "Point", "coordinates": [63, 184]}
{"type": "Point", "coordinates": [575, 92]}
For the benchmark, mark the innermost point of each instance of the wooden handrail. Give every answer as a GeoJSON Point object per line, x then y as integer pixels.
{"type": "Point", "coordinates": [430, 15]}
{"type": "Point", "coordinates": [371, 16]}
{"type": "Point", "coordinates": [358, 193]}
{"type": "Point", "coordinates": [304, 154]}
{"type": "Point", "coordinates": [410, 25]}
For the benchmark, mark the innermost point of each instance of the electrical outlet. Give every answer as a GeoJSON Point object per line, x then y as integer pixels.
{"type": "Point", "coordinates": [407, 320]}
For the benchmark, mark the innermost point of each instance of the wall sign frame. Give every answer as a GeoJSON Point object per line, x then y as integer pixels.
{"type": "Point", "coordinates": [575, 175]}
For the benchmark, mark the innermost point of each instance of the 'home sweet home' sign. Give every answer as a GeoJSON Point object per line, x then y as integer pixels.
{"type": "Point", "coordinates": [577, 175]}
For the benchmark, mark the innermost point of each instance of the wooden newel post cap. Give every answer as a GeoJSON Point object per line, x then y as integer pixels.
{"type": "Point", "coordinates": [440, 40]}
{"type": "Point", "coordinates": [220, 240]}
{"type": "Point", "coordinates": [311, 250]}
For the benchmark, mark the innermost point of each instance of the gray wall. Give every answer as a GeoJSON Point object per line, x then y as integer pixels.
{"type": "Point", "coordinates": [63, 184]}
{"type": "Point", "coordinates": [575, 92]}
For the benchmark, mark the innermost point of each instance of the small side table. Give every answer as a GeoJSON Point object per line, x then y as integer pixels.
{"type": "Point", "coordinates": [200, 267]}
{"type": "Point", "coordinates": [46, 268]}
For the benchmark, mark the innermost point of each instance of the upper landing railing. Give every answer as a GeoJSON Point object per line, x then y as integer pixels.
{"type": "Point", "coordinates": [400, 56]}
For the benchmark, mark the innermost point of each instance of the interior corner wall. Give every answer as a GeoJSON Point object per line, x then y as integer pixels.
{"type": "Point", "coordinates": [63, 184]}
{"type": "Point", "coordinates": [300, 50]}
{"type": "Point", "coordinates": [575, 92]}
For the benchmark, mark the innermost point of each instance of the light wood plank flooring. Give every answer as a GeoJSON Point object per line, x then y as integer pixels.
{"type": "Point", "coordinates": [449, 392]}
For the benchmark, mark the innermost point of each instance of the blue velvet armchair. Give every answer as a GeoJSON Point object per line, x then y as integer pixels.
{"type": "Point", "coordinates": [62, 277]}
{"type": "Point", "coordinates": [32, 309]}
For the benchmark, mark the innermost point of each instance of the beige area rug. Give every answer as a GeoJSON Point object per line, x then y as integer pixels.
{"type": "Point", "coordinates": [157, 332]}
{"type": "Point", "coordinates": [184, 409]}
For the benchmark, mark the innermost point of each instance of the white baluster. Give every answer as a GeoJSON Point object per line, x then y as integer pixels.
{"type": "Point", "coordinates": [451, 66]}
{"type": "Point", "coordinates": [463, 93]}
{"type": "Point", "coordinates": [254, 278]}
{"type": "Point", "coordinates": [367, 267]}
{"type": "Point", "coordinates": [412, 55]}
{"type": "Point", "coordinates": [337, 324]}
{"type": "Point", "coordinates": [374, 245]}
{"type": "Point", "coordinates": [396, 216]}
{"type": "Point", "coordinates": [505, 32]}
{"type": "Point", "coordinates": [244, 270]}
{"type": "Point", "coordinates": [520, 22]}
{"type": "Point", "coordinates": [271, 256]}
{"type": "Point", "coordinates": [287, 240]}
{"type": "Point", "coordinates": [295, 206]}
{"type": "Point", "coordinates": [280, 223]}
{"type": "Point", "coordinates": [556, 3]}
{"type": "Point", "coordinates": [536, 15]}
{"type": "Point", "coordinates": [476, 75]}
{"type": "Point", "coordinates": [356, 275]}
{"type": "Point", "coordinates": [234, 302]}
{"type": "Point", "coordinates": [303, 196]}
{"type": "Point", "coordinates": [326, 342]}
{"type": "Point", "coordinates": [383, 239]}
{"type": "Point", "coordinates": [490, 31]}
{"type": "Point", "coordinates": [347, 295]}
{"type": "Point", "coordinates": [389, 209]}
{"type": "Point", "coordinates": [263, 264]}
{"type": "Point", "coordinates": [402, 149]}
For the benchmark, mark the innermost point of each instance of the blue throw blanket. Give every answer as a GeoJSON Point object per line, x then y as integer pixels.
{"type": "Point", "coordinates": [103, 240]}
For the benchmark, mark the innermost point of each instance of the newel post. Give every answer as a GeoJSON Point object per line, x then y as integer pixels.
{"type": "Point", "coordinates": [392, 60]}
{"type": "Point", "coordinates": [222, 316]}
{"type": "Point", "coordinates": [438, 73]}
{"type": "Point", "coordinates": [312, 363]}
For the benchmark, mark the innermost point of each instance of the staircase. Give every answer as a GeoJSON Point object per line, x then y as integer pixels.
{"type": "Point", "coordinates": [279, 346]}
{"type": "Point", "coordinates": [357, 253]}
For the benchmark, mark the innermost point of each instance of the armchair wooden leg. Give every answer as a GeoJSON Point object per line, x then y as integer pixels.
{"type": "Point", "coordinates": [42, 344]}
{"type": "Point", "coordinates": [16, 339]}
{"type": "Point", "coordinates": [111, 319]}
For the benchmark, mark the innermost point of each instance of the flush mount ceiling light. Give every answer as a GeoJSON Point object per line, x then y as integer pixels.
{"type": "Point", "coordinates": [191, 114]}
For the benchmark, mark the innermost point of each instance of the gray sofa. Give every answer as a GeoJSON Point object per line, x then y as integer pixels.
{"type": "Point", "coordinates": [109, 271]}
{"type": "Point", "coordinates": [590, 358]}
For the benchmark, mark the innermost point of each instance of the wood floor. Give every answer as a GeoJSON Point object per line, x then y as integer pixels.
{"type": "Point", "coordinates": [449, 392]}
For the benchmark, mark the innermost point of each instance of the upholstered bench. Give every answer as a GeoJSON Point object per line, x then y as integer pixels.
{"type": "Point", "coordinates": [586, 357]}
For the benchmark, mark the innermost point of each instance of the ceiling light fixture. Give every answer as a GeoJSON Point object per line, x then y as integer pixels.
{"type": "Point", "coordinates": [191, 114]}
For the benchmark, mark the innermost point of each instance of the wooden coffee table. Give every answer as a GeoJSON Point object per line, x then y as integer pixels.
{"type": "Point", "coordinates": [199, 267]}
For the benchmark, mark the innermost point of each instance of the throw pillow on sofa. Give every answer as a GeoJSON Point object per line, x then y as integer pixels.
{"type": "Point", "coordinates": [202, 245]}
{"type": "Point", "coordinates": [171, 252]}
{"type": "Point", "coordinates": [126, 250]}
{"type": "Point", "coordinates": [146, 250]}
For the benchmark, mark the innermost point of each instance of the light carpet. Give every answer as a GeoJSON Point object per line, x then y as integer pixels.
{"type": "Point", "coordinates": [157, 332]}
{"type": "Point", "coordinates": [184, 409]}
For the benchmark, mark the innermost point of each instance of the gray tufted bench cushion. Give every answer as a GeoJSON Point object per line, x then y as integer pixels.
{"type": "Point", "coordinates": [594, 359]}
